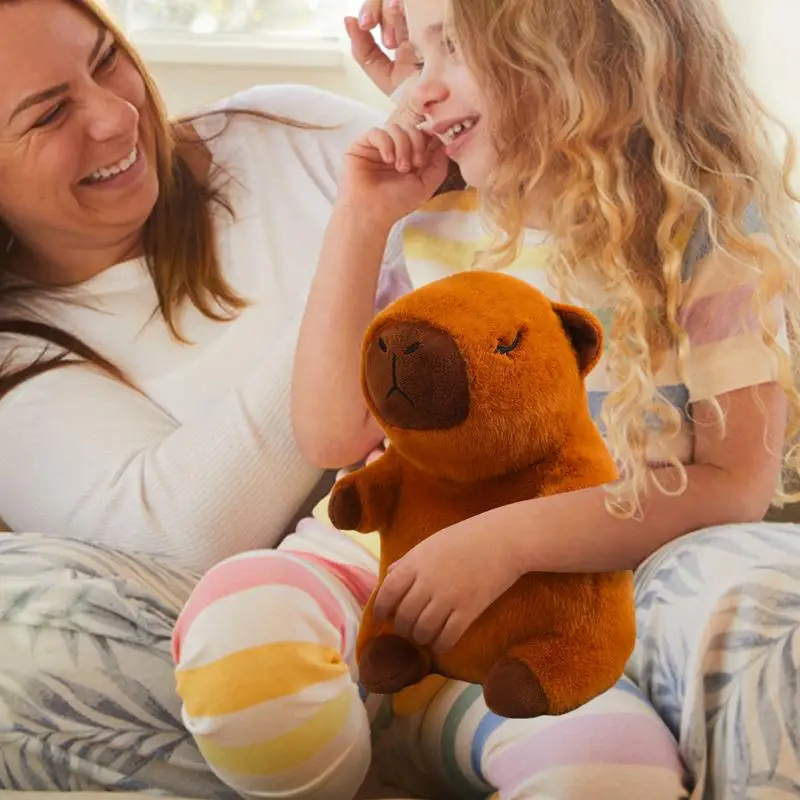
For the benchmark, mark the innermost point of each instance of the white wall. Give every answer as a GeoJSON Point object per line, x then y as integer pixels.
{"type": "Point", "coordinates": [187, 87]}
{"type": "Point", "coordinates": [770, 31]}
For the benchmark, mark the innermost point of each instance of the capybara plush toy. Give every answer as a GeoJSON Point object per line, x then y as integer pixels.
{"type": "Point", "coordinates": [477, 380]}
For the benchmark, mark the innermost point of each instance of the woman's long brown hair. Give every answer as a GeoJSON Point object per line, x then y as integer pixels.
{"type": "Point", "coordinates": [179, 240]}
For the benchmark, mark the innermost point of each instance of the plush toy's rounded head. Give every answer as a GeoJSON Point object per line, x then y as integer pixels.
{"type": "Point", "coordinates": [479, 374]}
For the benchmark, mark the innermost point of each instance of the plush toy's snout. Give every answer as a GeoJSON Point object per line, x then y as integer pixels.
{"type": "Point", "coordinates": [417, 377]}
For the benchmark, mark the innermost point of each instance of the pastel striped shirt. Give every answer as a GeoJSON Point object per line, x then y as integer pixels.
{"type": "Point", "coordinates": [727, 345]}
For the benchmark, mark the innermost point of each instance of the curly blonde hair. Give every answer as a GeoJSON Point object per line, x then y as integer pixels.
{"type": "Point", "coordinates": [644, 104]}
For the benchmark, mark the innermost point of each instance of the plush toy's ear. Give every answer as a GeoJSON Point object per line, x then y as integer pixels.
{"type": "Point", "coordinates": [585, 333]}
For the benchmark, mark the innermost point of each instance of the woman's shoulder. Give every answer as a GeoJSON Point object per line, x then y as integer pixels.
{"type": "Point", "coordinates": [318, 108]}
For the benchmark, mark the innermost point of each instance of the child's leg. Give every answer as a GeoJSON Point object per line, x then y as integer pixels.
{"type": "Point", "coordinates": [614, 747]}
{"type": "Point", "coordinates": [264, 654]}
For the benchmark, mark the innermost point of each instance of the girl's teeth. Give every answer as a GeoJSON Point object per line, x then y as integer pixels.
{"type": "Point", "coordinates": [449, 135]}
{"type": "Point", "coordinates": [458, 129]}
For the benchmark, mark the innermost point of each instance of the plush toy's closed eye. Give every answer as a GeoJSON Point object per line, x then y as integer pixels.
{"type": "Point", "coordinates": [505, 349]}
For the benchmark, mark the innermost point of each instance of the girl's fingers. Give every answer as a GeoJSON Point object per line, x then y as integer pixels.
{"type": "Point", "coordinates": [383, 143]}
{"type": "Point", "coordinates": [369, 56]}
{"type": "Point", "coordinates": [370, 14]}
{"type": "Point", "coordinates": [419, 145]}
{"type": "Point", "coordinates": [394, 15]}
{"type": "Point", "coordinates": [434, 151]}
{"type": "Point", "coordinates": [389, 38]}
{"type": "Point", "coordinates": [411, 146]}
{"type": "Point", "coordinates": [403, 148]}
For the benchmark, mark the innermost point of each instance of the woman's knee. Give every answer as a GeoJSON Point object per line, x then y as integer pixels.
{"type": "Point", "coordinates": [717, 614]}
{"type": "Point", "coordinates": [702, 601]}
{"type": "Point", "coordinates": [87, 696]}
{"type": "Point", "coordinates": [262, 653]}
{"type": "Point", "coordinates": [615, 746]}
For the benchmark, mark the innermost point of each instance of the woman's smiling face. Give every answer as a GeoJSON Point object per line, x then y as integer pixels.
{"type": "Point", "coordinates": [76, 149]}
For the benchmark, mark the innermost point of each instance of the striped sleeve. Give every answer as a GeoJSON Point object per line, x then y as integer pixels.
{"type": "Point", "coordinates": [729, 343]}
{"type": "Point", "coordinates": [448, 235]}
{"type": "Point", "coordinates": [393, 281]}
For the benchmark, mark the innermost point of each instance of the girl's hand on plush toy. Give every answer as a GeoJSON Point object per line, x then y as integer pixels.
{"type": "Point", "coordinates": [388, 173]}
{"type": "Point", "coordinates": [371, 456]}
{"type": "Point", "coordinates": [438, 589]}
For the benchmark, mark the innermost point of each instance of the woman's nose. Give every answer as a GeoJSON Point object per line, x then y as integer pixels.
{"type": "Point", "coordinates": [109, 116]}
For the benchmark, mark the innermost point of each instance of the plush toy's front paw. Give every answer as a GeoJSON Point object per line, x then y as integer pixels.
{"type": "Point", "coordinates": [512, 690]}
{"type": "Point", "coordinates": [389, 663]}
{"type": "Point", "coordinates": [344, 507]}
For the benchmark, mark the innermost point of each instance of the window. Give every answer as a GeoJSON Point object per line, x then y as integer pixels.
{"type": "Point", "coordinates": [297, 32]}
{"type": "Point", "coordinates": [244, 17]}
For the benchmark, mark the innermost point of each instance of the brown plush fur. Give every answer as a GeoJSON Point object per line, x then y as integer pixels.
{"type": "Point", "coordinates": [477, 380]}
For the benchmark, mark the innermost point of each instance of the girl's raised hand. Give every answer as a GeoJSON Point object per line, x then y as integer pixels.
{"type": "Point", "coordinates": [391, 171]}
{"type": "Point", "coordinates": [387, 73]}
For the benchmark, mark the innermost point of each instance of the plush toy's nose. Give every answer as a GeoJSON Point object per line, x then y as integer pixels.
{"type": "Point", "coordinates": [417, 377]}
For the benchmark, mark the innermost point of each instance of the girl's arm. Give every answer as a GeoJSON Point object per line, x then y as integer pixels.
{"type": "Point", "coordinates": [735, 469]}
{"type": "Point", "coordinates": [386, 175]}
{"type": "Point", "coordinates": [732, 480]}
{"type": "Point", "coordinates": [331, 422]}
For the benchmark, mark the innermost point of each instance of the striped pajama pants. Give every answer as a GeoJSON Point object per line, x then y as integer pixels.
{"type": "Point", "coordinates": [266, 672]}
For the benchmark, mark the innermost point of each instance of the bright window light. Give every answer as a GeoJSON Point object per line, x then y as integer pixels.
{"type": "Point", "coordinates": [294, 33]}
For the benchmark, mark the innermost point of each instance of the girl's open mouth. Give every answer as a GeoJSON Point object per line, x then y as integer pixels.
{"type": "Point", "coordinates": [450, 131]}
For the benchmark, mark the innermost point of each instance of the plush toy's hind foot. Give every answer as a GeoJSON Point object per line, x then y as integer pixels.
{"type": "Point", "coordinates": [512, 690]}
{"type": "Point", "coordinates": [389, 663]}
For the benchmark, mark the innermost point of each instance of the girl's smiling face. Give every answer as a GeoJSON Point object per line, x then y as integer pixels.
{"type": "Point", "coordinates": [447, 93]}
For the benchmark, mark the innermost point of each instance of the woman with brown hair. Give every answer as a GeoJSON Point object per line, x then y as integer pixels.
{"type": "Point", "coordinates": [152, 278]}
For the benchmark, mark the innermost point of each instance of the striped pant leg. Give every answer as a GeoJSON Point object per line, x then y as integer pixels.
{"type": "Point", "coordinates": [442, 741]}
{"type": "Point", "coordinates": [297, 610]}
{"type": "Point", "coordinates": [265, 667]}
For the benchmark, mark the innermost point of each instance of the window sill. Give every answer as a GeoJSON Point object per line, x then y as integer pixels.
{"type": "Point", "coordinates": [294, 52]}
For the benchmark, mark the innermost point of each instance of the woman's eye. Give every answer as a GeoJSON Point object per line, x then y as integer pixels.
{"type": "Point", "coordinates": [505, 349]}
{"type": "Point", "coordinates": [51, 116]}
